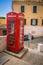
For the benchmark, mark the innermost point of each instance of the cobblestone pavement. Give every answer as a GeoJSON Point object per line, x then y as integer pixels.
{"type": "Point", "coordinates": [34, 41]}
{"type": "Point", "coordinates": [29, 58]}
{"type": "Point", "coordinates": [33, 58]}
{"type": "Point", "coordinates": [15, 61]}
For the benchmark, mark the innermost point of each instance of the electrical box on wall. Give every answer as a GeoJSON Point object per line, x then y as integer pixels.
{"type": "Point", "coordinates": [15, 31]}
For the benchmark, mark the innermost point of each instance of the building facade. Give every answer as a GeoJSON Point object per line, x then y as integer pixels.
{"type": "Point", "coordinates": [2, 26]}
{"type": "Point", "coordinates": [33, 11]}
{"type": "Point", "coordinates": [2, 20]}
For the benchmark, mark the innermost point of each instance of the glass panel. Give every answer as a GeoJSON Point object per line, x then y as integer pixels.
{"type": "Point", "coordinates": [11, 33]}
{"type": "Point", "coordinates": [4, 32]}
{"type": "Point", "coordinates": [20, 41]}
{"type": "Point", "coordinates": [34, 22]}
{"type": "Point", "coordinates": [34, 9]}
{"type": "Point", "coordinates": [11, 27]}
{"type": "Point", "coordinates": [22, 8]}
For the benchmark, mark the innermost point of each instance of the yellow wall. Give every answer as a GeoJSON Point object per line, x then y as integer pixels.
{"type": "Point", "coordinates": [2, 21]}
{"type": "Point", "coordinates": [28, 13]}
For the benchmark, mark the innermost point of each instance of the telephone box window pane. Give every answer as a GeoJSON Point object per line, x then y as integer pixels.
{"type": "Point", "coordinates": [34, 9]}
{"type": "Point", "coordinates": [11, 27]}
{"type": "Point", "coordinates": [34, 22]}
{"type": "Point", "coordinates": [20, 36]}
{"type": "Point", "coordinates": [22, 8]}
{"type": "Point", "coordinates": [11, 32]}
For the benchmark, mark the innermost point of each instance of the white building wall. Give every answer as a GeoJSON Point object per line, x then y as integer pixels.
{"type": "Point", "coordinates": [36, 31]}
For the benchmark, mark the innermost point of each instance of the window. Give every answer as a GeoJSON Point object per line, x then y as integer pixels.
{"type": "Point", "coordinates": [42, 21]}
{"type": "Point", "coordinates": [22, 8]}
{"type": "Point", "coordinates": [34, 22]}
{"type": "Point", "coordinates": [34, 10]}
{"type": "Point", "coordinates": [24, 21]}
{"type": "Point", "coordinates": [4, 32]}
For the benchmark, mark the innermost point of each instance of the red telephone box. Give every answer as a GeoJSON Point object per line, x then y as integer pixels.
{"type": "Point", "coordinates": [15, 31]}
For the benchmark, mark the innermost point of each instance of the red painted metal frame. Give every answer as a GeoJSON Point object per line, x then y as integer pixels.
{"type": "Point", "coordinates": [17, 18]}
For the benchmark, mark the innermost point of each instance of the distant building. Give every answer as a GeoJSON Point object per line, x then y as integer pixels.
{"type": "Point", "coordinates": [33, 11]}
{"type": "Point", "coordinates": [2, 20]}
{"type": "Point", "coordinates": [2, 26]}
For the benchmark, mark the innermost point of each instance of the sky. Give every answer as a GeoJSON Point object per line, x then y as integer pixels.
{"type": "Point", "coordinates": [5, 7]}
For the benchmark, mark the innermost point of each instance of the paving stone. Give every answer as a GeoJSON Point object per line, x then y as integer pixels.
{"type": "Point", "coordinates": [3, 58]}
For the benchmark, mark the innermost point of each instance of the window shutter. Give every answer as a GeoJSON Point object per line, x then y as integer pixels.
{"type": "Point", "coordinates": [36, 21]}
{"type": "Point", "coordinates": [42, 21]}
{"type": "Point", "coordinates": [31, 21]}
{"type": "Point", "coordinates": [24, 21]}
